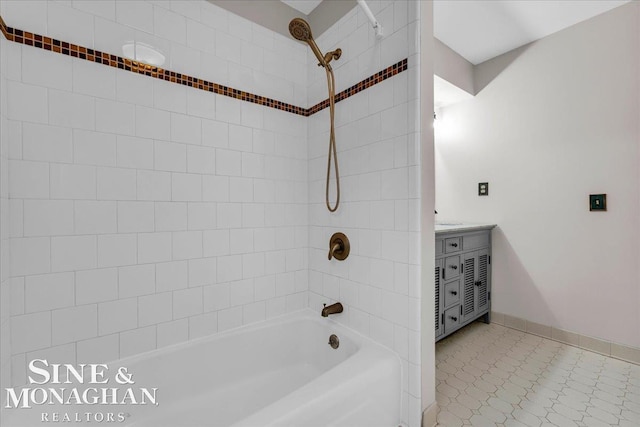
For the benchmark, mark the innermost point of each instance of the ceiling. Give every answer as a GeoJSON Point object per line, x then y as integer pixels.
{"type": "Point", "coordinates": [304, 6]}
{"type": "Point", "coordinates": [482, 29]}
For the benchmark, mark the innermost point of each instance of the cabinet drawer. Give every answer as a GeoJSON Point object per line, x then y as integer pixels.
{"type": "Point", "coordinates": [451, 267]}
{"type": "Point", "coordinates": [439, 247]}
{"type": "Point", "coordinates": [452, 318]}
{"type": "Point", "coordinates": [452, 244]}
{"type": "Point", "coordinates": [475, 241]}
{"type": "Point", "coordinates": [451, 293]}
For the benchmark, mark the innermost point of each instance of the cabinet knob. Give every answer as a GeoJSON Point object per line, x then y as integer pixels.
{"type": "Point", "coordinates": [455, 267]}
{"type": "Point", "coordinates": [454, 318]}
{"type": "Point", "coordinates": [454, 292]}
{"type": "Point", "coordinates": [478, 283]}
{"type": "Point", "coordinates": [455, 245]}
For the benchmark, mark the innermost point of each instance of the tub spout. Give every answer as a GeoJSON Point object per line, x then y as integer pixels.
{"type": "Point", "coordinates": [332, 309]}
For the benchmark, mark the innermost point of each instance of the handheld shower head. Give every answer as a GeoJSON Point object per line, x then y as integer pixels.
{"type": "Point", "coordinates": [301, 30]}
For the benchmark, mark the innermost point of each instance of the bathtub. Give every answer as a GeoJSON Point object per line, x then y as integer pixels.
{"type": "Point", "coordinates": [280, 372]}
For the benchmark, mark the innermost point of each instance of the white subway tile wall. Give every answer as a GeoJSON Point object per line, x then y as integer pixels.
{"type": "Point", "coordinates": [151, 213]}
{"type": "Point", "coordinates": [135, 203]}
{"type": "Point", "coordinates": [7, 305]}
{"type": "Point", "coordinates": [379, 284]}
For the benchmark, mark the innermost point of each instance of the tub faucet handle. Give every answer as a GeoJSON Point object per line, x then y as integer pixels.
{"type": "Point", "coordinates": [339, 247]}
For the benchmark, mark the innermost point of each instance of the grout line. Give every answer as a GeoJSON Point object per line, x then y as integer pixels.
{"type": "Point", "coordinates": [96, 56]}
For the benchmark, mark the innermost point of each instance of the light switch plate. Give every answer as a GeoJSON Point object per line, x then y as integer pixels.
{"type": "Point", "coordinates": [597, 202]}
{"type": "Point", "coordinates": [483, 189]}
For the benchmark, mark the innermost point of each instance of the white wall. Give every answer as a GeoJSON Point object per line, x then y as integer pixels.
{"type": "Point", "coordinates": [555, 121]}
{"type": "Point", "coordinates": [145, 213]}
{"type": "Point", "coordinates": [638, 127]}
{"type": "Point", "coordinates": [5, 274]}
{"type": "Point", "coordinates": [452, 67]}
{"type": "Point", "coordinates": [428, 48]}
{"type": "Point", "coordinates": [378, 151]}
{"type": "Point", "coordinates": [149, 213]}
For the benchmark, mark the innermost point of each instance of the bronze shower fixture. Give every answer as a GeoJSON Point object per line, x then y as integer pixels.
{"type": "Point", "coordinates": [301, 30]}
{"type": "Point", "coordinates": [339, 247]}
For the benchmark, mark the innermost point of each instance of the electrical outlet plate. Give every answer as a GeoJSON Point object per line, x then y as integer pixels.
{"type": "Point", "coordinates": [597, 202]}
{"type": "Point", "coordinates": [483, 189]}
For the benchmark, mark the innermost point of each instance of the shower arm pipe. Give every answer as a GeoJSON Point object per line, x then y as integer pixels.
{"type": "Point", "coordinates": [374, 22]}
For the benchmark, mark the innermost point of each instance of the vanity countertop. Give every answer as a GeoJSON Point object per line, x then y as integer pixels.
{"type": "Point", "coordinates": [443, 227]}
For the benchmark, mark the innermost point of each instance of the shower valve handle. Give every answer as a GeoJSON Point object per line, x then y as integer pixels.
{"type": "Point", "coordinates": [339, 247]}
{"type": "Point", "coordinates": [335, 249]}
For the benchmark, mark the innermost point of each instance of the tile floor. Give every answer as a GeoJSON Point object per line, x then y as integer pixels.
{"type": "Point", "coordinates": [489, 375]}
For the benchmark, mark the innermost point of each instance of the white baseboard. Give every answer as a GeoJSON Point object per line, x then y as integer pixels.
{"type": "Point", "coordinates": [607, 348]}
{"type": "Point", "coordinates": [430, 415]}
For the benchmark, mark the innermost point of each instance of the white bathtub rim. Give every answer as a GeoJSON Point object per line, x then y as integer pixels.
{"type": "Point", "coordinates": [291, 317]}
{"type": "Point", "coordinates": [302, 397]}
{"type": "Point", "coordinates": [305, 313]}
{"type": "Point", "coordinates": [367, 349]}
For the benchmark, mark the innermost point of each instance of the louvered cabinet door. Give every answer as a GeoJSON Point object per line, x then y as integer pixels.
{"type": "Point", "coordinates": [482, 281]}
{"type": "Point", "coordinates": [438, 307]}
{"type": "Point", "coordinates": [469, 294]}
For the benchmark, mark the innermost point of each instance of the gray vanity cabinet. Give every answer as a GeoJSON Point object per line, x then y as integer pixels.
{"type": "Point", "coordinates": [462, 278]}
{"type": "Point", "coordinates": [476, 294]}
{"type": "Point", "coordinates": [439, 325]}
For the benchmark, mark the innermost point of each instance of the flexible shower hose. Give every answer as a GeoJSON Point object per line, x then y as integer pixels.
{"type": "Point", "coordinates": [332, 141]}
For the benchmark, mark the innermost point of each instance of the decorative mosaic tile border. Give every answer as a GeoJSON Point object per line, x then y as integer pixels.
{"type": "Point", "coordinates": [54, 45]}
{"type": "Point", "coordinates": [364, 84]}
